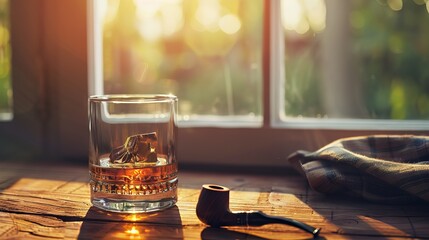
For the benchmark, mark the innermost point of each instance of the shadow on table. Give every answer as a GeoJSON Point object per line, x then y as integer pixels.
{"type": "Point", "coordinates": [212, 233]}
{"type": "Point", "coordinates": [357, 217]}
{"type": "Point", "coordinates": [222, 233]}
{"type": "Point", "coordinates": [99, 224]}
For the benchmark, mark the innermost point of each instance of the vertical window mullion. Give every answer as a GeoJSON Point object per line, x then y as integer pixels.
{"type": "Point", "coordinates": [266, 54]}
{"type": "Point", "coordinates": [276, 64]}
{"type": "Point", "coordinates": [95, 50]}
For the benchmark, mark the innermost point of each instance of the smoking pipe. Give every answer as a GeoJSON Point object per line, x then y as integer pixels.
{"type": "Point", "coordinates": [213, 210]}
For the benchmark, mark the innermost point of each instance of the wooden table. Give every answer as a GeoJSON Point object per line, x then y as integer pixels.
{"type": "Point", "coordinates": [39, 202]}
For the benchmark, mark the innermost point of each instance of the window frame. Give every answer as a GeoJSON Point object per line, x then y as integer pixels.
{"type": "Point", "coordinates": [279, 118]}
{"type": "Point", "coordinates": [52, 67]}
{"type": "Point", "coordinates": [49, 82]}
{"type": "Point", "coordinates": [213, 142]}
{"type": "Point", "coordinates": [26, 123]}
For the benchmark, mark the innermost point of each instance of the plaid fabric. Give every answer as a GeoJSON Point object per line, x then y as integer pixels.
{"type": "Point", "coordinates": [393, 169]}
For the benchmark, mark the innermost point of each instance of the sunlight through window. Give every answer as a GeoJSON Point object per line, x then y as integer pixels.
{"type": "Point", "coordinates": [185, 48]}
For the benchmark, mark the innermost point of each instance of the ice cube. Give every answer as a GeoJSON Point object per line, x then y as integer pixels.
{"type": "Point", "coordinates": [137, 148]}
{"type": "Point", "coordinates": [105, 162]}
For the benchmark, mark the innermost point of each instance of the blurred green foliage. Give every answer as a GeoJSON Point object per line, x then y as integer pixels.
{"type": "Point", "coordinates": [5, 59]}
{"type": "Point", "coordinates": [210, 71]}
{"type": "Point", "coordinates": [391, 51]}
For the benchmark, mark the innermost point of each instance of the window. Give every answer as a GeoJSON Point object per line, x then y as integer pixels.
{"type": "Point", "coordinates": [255, 117]}
{"type": "Point", "coordinates": [208, 53]}
{"type": "Point", "coordinates": [284, 71]}
{"type": "Point", "coordinates": [354, 64]}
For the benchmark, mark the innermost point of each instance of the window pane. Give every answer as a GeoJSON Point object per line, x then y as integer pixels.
{"type": "Point", "coordinates": [356, 59]}
{"type": "Point", "coordinates": [207, 52]}
{"type": "Point", "coordinates": [5, 63]}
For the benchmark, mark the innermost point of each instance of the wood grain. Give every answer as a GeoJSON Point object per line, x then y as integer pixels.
{"type": "Point", "coordinates": [53, 203]}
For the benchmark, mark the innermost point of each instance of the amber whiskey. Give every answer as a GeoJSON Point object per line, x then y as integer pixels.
{"type": "Point", "coordinates": [125, 185]}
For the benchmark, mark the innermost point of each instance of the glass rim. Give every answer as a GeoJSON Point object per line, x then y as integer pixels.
{"type": "Point", "coordinates": [133, 98]}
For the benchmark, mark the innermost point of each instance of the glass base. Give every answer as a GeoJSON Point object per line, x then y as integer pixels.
{"type": "Point", "coordinates": [124, 206]}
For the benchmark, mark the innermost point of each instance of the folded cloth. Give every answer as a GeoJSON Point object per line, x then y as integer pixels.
{"type": "Point", "coordinates": [381, 168]}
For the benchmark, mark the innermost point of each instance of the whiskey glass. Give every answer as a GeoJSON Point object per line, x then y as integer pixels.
{"type": "Point", "coordinates": [132, 152]}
